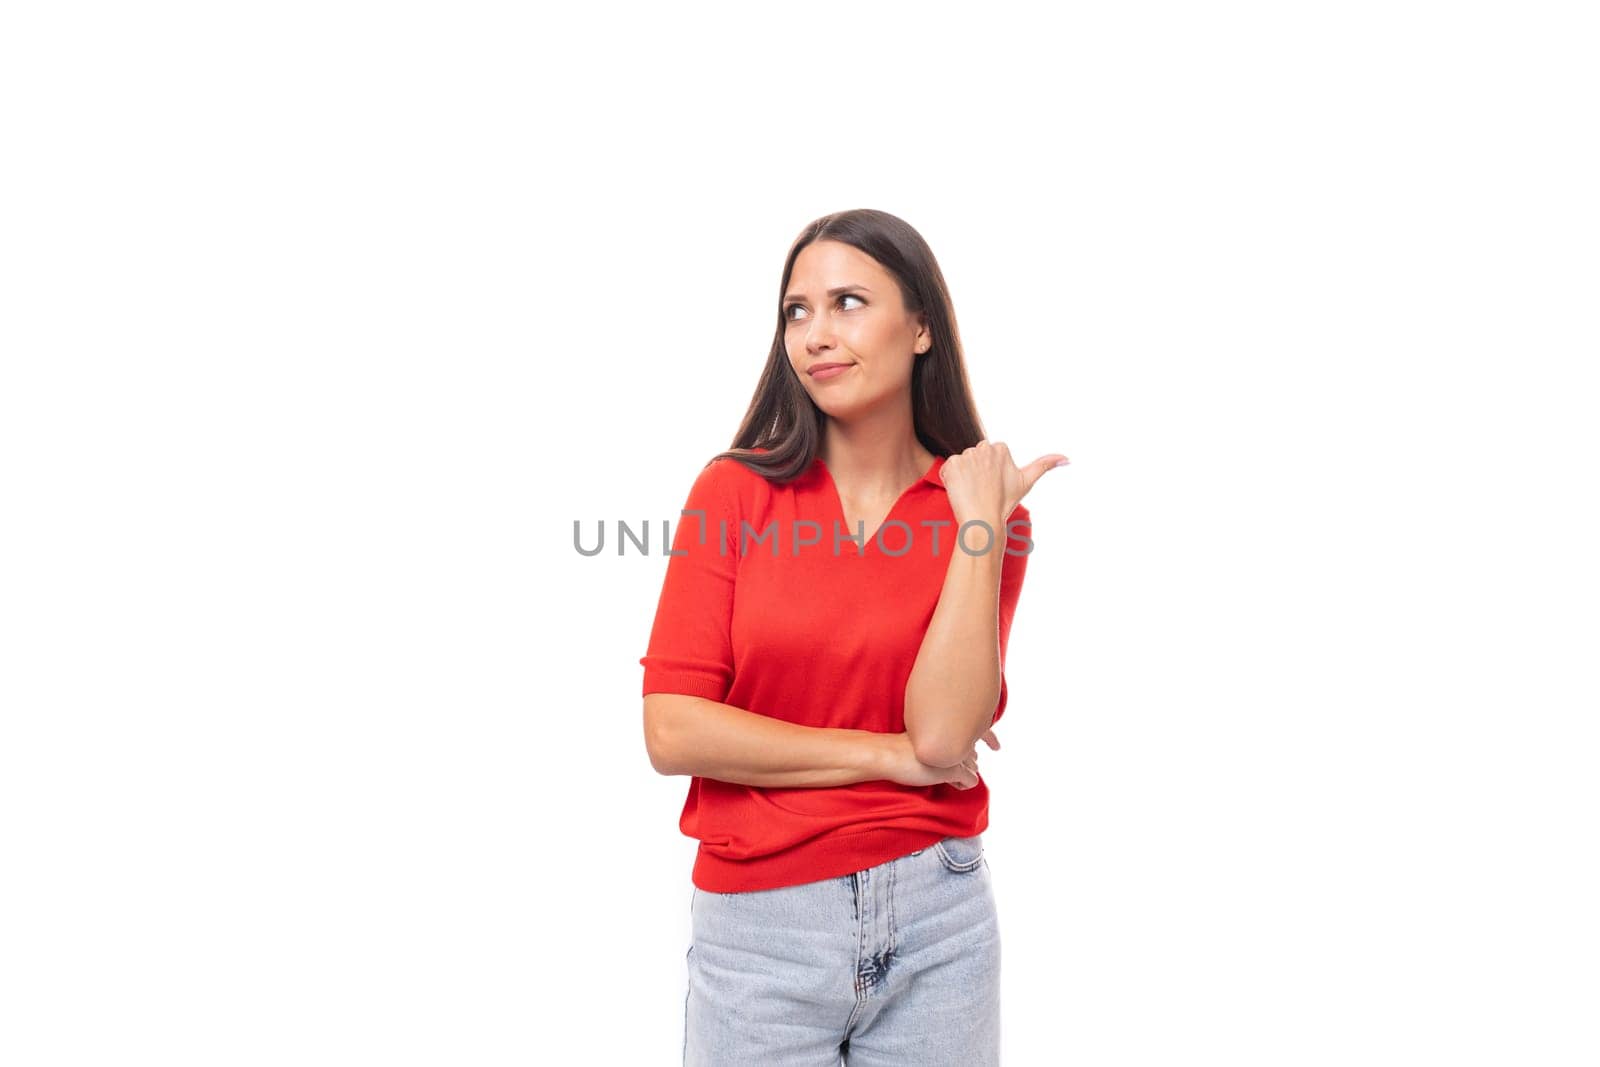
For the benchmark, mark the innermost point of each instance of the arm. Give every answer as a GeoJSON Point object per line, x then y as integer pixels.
{"type": "Point", "coordinates": [955, 682]}
{"type": "Point", "coordinates": [957, 690]}
{"type": "Point", "coordinates": [689, 669]}
{"type": "Point", "coordinates": [699, 736]}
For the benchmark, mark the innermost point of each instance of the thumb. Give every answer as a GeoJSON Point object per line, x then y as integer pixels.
{"type": "Point", "coordinates": [1035, 470]}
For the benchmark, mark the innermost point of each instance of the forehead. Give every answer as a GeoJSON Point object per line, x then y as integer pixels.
{"type": "Point", "coordinates": [823, 264]}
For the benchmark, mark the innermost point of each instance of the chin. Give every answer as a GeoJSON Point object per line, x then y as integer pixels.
{"type": "Point", "coordinates": [853, 410]}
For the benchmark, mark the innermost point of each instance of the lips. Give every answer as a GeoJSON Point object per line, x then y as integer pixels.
{"type": "Point", "coordinates": [817, 368]}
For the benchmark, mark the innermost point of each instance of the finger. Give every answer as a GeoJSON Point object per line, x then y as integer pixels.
{"type": "Point", "coordinates": [990, 739]}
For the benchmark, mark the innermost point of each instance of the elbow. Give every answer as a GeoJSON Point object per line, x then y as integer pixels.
{"type": "Point", "coordinates": [936, 751]}
{"type": "Point", "coordinates": [658, 733]}
{"type": "Point", "coordinates": [943, 747]}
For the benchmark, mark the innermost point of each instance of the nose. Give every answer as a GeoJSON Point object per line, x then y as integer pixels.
{"type": "Point", "coordinates": [819, 335]}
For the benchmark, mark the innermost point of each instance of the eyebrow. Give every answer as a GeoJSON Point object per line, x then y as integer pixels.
{"type": "Point", "coordinates": [831, 292]}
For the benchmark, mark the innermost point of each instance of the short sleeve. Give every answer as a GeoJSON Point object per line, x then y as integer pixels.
{"type": "Point", "coordinates": [1019, 539]}
{"type": "Point", "coordinates": [690, 649]}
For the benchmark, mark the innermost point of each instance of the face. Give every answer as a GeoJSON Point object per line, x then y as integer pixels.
{"type": "Point", "coordinates": [865, 326]}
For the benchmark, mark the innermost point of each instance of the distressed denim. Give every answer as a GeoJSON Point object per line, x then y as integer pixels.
{"type": "Point", "coordinates": [894, 965]}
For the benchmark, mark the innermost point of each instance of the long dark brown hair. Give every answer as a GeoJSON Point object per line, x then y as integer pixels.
{"type": "Point", "coordinates": [782, 417]}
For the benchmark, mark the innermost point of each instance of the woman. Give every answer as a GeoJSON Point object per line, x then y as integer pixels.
{"type": "Point", "coordinates": [828, 648]}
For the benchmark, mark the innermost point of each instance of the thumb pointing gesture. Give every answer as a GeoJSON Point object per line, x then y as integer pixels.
{"type": "Point", "coordinates": [984, 483]}
{"type": "Point", "coordinates": [1035, 470]}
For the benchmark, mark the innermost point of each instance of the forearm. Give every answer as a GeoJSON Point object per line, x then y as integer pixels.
{"type": "Point", "coordinates": [954, 687]}
{"type": "Point", "coordinates": [714, 740]}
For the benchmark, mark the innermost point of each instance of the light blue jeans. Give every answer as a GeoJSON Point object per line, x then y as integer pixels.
{"type": "Point", "coordinates": [894, 965]}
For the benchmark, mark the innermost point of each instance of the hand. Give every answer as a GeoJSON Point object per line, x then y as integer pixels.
{"type": "Point", "coordinates": [983, 483]}
{"type": "Point", "coordinates": [906, 769]}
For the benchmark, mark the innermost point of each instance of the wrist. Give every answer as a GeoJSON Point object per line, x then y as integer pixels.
{"type": "Point", "coordinates": [973, 535]}
{"type": "Point", "coordinates": [877, 755]}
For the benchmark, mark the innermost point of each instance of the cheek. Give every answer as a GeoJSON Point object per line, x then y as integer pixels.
{"type": "Point", "coordinates": [879, 341]}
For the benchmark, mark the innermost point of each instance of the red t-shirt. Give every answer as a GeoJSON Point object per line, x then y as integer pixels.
{"type": "Point", "coordinates": [767, 618]}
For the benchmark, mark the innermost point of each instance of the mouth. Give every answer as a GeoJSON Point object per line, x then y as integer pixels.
{"type": "Point", "coordinates": [827, 370]}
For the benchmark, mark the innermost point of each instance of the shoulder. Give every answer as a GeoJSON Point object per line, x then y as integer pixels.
{"type": "Point", "coordinates": [730, 483]}
{"type": "Point", "coordinates": [729, 472]}
{"type": "Point", "coordinates": [732, 471]}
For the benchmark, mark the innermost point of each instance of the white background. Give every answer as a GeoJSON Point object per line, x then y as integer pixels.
{"type": "Point", "coordinates": [322, 323]}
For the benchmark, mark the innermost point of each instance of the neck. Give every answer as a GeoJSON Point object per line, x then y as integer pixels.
{"type": "Point", "coordinates": [876, 456]}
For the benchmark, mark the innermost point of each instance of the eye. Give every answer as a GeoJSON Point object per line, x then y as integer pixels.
{"type": "Point", "coordinates": [788, 312]}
